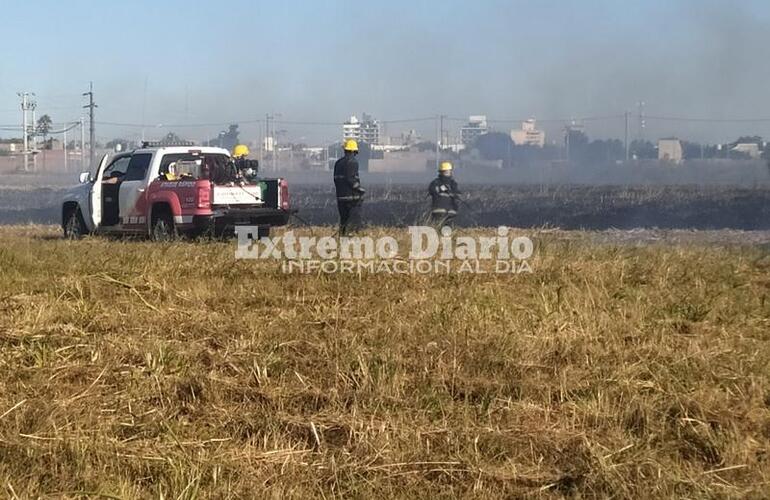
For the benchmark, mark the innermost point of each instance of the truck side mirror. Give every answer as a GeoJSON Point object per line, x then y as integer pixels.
{"type": "Point", "coordinates": [84, 177]}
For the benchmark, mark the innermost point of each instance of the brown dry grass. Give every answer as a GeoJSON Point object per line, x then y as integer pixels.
{"type": "Point", "coordinates": [136, 370]}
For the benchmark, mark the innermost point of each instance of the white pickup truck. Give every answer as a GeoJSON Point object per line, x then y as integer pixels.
{"type": "Point", "coordinates": [164, 191]}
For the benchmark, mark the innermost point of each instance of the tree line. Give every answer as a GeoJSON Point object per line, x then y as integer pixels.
{"type": "Point", "coordinates": [580, 149]}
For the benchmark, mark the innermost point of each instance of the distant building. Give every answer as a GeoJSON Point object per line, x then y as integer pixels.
{"type": "Point", "coordinates": [574, 132]}
{"type": "Point", "coordinates": [410, 137]}
{"type": "Point", "coordinates": [528, 135]}
{"type": "Point", "coordinates": [390, 148]}
{"type": "Point", "coordinates": [749, 148]}
{"type": "Point", "coordinates": [404, 161]}
{"type": "Point", "coordinates": [455, 148]}
{"type": "Point", "coordinates": [351, 129]}
{"type": "Point", "coordinates": [11, 145]}
{"type": "Point", "coordinates": [365, 130]}
{"type": "Point", "coordinates": [477, 125]}
{"type": "Point", "coordinates": [670, 150]}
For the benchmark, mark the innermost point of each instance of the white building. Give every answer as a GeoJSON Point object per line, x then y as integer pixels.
{"type": "Point", "coordinates": [11, 145]}
{"type": "Point", "coordinates": [390, 148]}
{"type": "Point", "coordinates": [351, 129]}
{"type": "Point", "coordinates": [670, 151]}
{"type": "Point", "coordinates": [455, 148]}
{"type": "Point", "coordinates": [477, 125]}
{"type": "Point", "coordinates": [528, 135]}
{"type": "Point", "coordinates": [365, 130]}
{"type": "Point", "coordinates": [749, 148]}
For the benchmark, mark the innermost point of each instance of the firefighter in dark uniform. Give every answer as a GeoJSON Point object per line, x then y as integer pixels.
{"type": "Point", "coordinates": [350, 195]}
{"type": "Point", "coordinates": [444, 194]}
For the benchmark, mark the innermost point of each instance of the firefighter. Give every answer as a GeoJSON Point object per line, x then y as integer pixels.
{"type": "Point", "coordinates": [243, 166]}
{"type": "Point", "coordinates": [444, 195]}
{"type": "Point", "coordinates": [350, 194]}
{"type": "Point", "coordinates": [240, 151]}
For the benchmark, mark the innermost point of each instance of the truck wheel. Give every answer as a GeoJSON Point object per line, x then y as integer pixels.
{"type": "Point", "coordinates": [163, 228]}
{"type": "Point", "coordinates": [74, 229]}
{"type": "Point", "coordinates": [263, 232]}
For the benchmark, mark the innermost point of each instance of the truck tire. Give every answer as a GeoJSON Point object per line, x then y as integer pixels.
{"type": "Point", "coordinates": [163, 228]}
{"type": "Point", "coordinates": [74, 227]}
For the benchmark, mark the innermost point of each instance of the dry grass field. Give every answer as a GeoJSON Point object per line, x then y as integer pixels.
{"type": "Point", "coordinates": [130, 369]}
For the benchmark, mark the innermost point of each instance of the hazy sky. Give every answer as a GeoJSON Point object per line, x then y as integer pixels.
{"type": "Point", "coordinates": [211, 62]}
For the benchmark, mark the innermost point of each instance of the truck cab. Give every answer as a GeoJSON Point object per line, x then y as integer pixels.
{"type": "Point", "coordinates": [163, 191]}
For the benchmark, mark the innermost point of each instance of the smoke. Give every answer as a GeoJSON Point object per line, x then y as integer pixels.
{"type": "Point", "coordinates": [682, 59]}
{"type": "Point", "coordinates": [321, 61]}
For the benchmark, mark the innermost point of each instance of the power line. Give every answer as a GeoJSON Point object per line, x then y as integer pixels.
{"type": "Point", "coordinates": [324, 123]}
{"type": "Point", "coordinates": [177, 125]}
{"type": "Point", "coordinates": [618, 116]}
{"type": "Point", "coordinates": [67, 128]}
{"type": "Point", "coordinates": [17, 127]}
{"type": "Point", "coordinates": [59, 108]}
{"type": "Point", "coordinates": [42, 107]}
{"type": "Point", "coordinates": [337, 124]}
{"type": "Point", "coordinates": [280, 122]}
{"type": "Point", "coordinates": [410, 120]}
{"type": "Point", "coordinates": [591, 118]}
{"type": "Point", "coordinates": [308, 123]}
{"type": "Point", "coordinates": [247, 122]}
{"type": "Point", "coordinates": [707, 120]}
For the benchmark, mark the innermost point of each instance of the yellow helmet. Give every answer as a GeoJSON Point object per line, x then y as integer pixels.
{"type": "Point", "coordinates": [240, 151]}
{"type": "Point", "coordinates": [445, 166]}
{"type": "Point", "coordinates": [351, 145]}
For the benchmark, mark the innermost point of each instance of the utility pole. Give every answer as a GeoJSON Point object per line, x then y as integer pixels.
{"type": "Point", "coordinates": [24, 108]}
{"type": "Point", "coordinates": [441, 144]}
{"type": "Point", "coordinates": [567, 133]}
{"type": "Point", "coordinates": [261, 146]}
{"type": "Point", "coordinates": [271, 136]}
{"type": "Point", "coordinates": [439, 125]}
{"type": "Point", "coordinates": [626, 136]}
{"type": "Point", "coordinates": [27, 105]}
{"type": "Point", "coordinates": [92, 130]}
{"type": "Point", "coordinates": [274, 143]}
{"type": "Point", "coordinates": [441, 121]}
{"type": "Point", "coordinates": [83, 144]}
{"type": "Point", "coordinates": [267, 130]}
{"type": "Point", "coordinates": [65, 149]}
{"type": "Point", "coordinates": [268, 142]}
{"type": "Point", "coordinates": [33, 134]}
{"type": "Point", "coordinates": [144, 106]}
{"type": "Point", "coordinates": [275, 148]}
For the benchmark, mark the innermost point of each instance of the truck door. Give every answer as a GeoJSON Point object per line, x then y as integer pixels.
{"type": "Point", "coordinates": [133, 188]}
{"type": "Point", "coordinates": [96, 194]}
{"type": "Point", "coordinates": [112, 176]}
